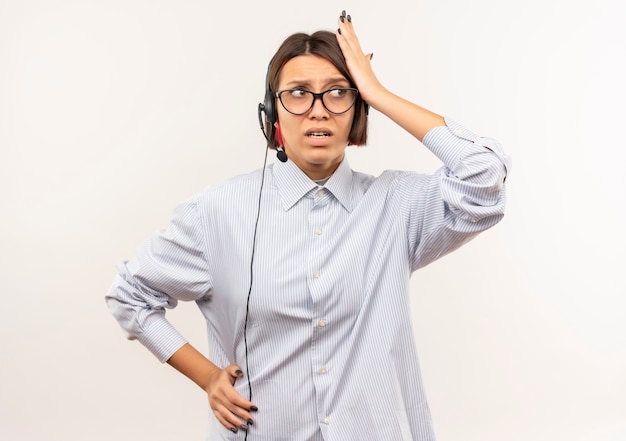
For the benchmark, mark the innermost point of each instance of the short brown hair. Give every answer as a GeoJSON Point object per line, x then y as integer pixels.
{"type": "Point", "coordinates": [322, 44]}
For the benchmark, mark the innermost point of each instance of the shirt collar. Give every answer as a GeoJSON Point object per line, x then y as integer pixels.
{"type": "Point", "coordinates": [293, 183]}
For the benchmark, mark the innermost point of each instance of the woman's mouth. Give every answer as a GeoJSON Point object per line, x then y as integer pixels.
{"type": "Point", "coordinates": [318, 133]}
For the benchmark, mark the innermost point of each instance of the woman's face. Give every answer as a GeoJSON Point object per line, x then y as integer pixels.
{"type": "Point", "coordinates": [316, 140]}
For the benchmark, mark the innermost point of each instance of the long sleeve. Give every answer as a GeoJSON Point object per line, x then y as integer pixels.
{"type": "Point", "coordinates": [169, 266]}
{"type": "Point", "coordinates": [463, 198]}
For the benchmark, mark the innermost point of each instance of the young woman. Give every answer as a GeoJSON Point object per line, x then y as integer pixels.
{"type": "Point", "coordinates": [304, 284]}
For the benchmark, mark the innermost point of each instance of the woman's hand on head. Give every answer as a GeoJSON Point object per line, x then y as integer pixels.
{"type": "Point", "coordinates": [230, 409]}
{"type": "Point", "coordinates": [359, 63]}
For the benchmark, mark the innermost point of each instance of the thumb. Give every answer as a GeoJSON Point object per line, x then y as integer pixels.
{"type": "Point", "coordinates": [234, 371]}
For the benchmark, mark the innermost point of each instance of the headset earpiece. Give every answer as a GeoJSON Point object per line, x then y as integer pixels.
{"type": "Point", "coordinates": [269, 108]}
{"type": "Point", "coordinates": [271, 128]}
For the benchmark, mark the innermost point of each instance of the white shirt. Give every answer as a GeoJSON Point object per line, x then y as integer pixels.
{"type": "Point", "coordinates": [330, 344]}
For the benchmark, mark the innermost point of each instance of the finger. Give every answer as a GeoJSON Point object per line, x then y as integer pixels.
{"type": "Point", "coordinates": [224, 422]}
{"type": "Point", "coordinates": [346, 28]}
{"type": "Point", "coordinates": [242, 408]}
{"type": "Point", "coordinates": [234, 371]}
{"type": "Point", "coordinates": [235, 421]}
{"type": "Point", "coordinates": [347, 38]}
{"type": "Point", "coordinates": [233, 415]}
{"type": "Point", "coordinates": [232, 410]}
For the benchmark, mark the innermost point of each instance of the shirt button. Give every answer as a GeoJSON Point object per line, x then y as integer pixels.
{"type": "Point", "coordinates": [318, 231]}
{"type": "Point", "coordinates": [316, 275]}
{"type": "Point", "coordinates": [458, 133]}
{"type": "Point", "coordinates": [322, 371]}
{"type": "Point", "coordinates": [320, 193]}
{"type": "Point", "coordinates": [326, 421]}
{"type": "Point", "coordinates": [321, 323]}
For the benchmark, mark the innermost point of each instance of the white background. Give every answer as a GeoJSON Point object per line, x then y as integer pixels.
{"type": "Point", "coordinates": [113, 111]}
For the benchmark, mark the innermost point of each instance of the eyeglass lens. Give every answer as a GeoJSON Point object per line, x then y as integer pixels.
{"type": "Point", "coordinates": [299, 101]}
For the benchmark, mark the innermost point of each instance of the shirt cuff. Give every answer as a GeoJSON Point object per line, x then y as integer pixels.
{"type": "Point", "coordinates": [450, 142]}
{"type": "Point", "coordinates": [161, 338]}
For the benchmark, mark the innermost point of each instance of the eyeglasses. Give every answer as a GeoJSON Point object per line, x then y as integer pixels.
{"type": "Point", "coordinates": [300, 101]}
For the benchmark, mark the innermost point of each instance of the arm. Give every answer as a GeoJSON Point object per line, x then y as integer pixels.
{"type": "Point", "coordinates": [464, 197]}
{"type": "Point", "coordinates": [417, 120]}
{"type": "Point", "coordinates": [461, 199]}
{"type": "Point", "coordinates": [169, 267]}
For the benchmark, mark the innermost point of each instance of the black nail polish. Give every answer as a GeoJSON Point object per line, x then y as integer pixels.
{"type": "Point", "coordinates": [238, 372]}
{"type": "Point", "coordinates": [233, 429]}
{"type": "Point", "coordinates": [343, 13]}
{"type": "Point", "coordinates": [254, 408]}
{"type": "Point", "coordinates": [339, 30]}
{"type": "Point", "coordinates": [243, 427]}
{"type": "Point", "coordinates": [371, 56]}
{"type": "Point", "coordinates": [349, 18]}
{"type": "Point", "coordinates": [250, 422]}
{"type": "Point", "coordinates": [342, 18]}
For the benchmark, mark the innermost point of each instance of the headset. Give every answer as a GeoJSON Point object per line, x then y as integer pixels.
{"type": "Point", "coordinates": [271, 118]}
{"type": "Point", "coordinates": [270, 131]}
{"type": "Point", "coordinates": [273, 138]}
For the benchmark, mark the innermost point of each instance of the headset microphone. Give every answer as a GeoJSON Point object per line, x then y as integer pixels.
{"type": "Point", "coordinates": [280, 151]}
{"type": "Point", "coordinates": [278, 137]}
{"type": "Point", "coordinates": [281, 155]}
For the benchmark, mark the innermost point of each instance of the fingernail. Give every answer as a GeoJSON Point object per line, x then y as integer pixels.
{"type": "Point", "coordinates": [349, 18]}
{"type": "Point", "coordinates": [371, 56]}
{"type": "Point", "coordinates": [250, 422]}
{"type": "Point", "coordinates": [244, 427]}
{"type": "Point", "coordinates": [233, 429]}
{"type": "Point", "coordinates": [342, 18]}
{"type": "Point", "coordinates": [254, 408]}
{"type": "Point", "coordinates": [343, 13]}
{"type": "Point", "coordinates": [339, 30]}
{"type": "Point", "coordinates": [238, 372]}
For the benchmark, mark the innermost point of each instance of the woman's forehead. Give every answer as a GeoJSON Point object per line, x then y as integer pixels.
{"type": "Point", "coordinates": [309, 70]}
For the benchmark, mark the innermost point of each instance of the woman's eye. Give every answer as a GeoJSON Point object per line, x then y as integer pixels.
{"type": "Point", "coordinates": [337, 93]}
{"type": "Point", "coordinates": [297, 93]}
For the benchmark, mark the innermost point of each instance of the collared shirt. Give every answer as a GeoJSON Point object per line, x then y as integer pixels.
{"type": "Point", "coordinates": [330, 344]}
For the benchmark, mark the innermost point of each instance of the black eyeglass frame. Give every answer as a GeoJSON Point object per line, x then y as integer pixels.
{"type": "Point", "coordinates": [316, 96]}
